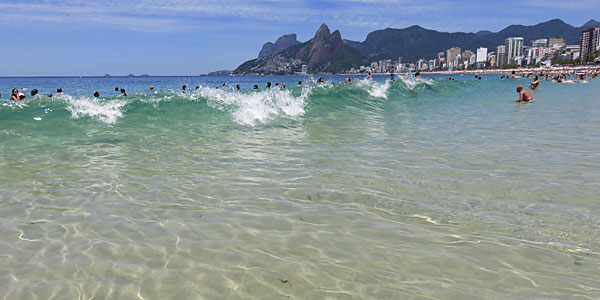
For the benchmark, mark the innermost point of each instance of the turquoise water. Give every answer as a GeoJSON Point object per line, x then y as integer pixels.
{"type": "Point", "coordinates": [374, 190]}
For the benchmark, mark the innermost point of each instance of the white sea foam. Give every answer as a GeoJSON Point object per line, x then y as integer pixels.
{"type": "Point", "coordinates": [252, 108]}
{"type": "Point", "coordinates": [107, 111]}
{"type": "Point", "coordinates": [374, 88]}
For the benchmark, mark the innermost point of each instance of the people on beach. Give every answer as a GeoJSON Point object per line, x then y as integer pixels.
{"type": "Point", "coordinates": [524, 96]}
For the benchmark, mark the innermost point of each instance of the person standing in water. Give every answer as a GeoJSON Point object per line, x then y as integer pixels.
{"type": "Point", "coordinates": [183, 88]}
{"type": "Point", "coordinates": [534, 84]}
{"type": "Point", "coordinates": [524, 96]}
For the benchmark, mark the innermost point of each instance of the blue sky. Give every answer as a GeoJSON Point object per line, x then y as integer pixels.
{"type": "Point", "coordinates": [188, 37]}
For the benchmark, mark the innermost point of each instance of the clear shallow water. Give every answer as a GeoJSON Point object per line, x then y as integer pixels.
{"type": "Point", "coordinates": [436, 190]}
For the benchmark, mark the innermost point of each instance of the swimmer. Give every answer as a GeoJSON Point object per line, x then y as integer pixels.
{"type": "Point", "coordinates": [524, 96]}
{"type": "Point", "coordinates": [534, 84]}
{"type": "Point", "coordinates": [370, 75]}
{"type": "Point", "coordinates": [269, 85]}
{"type": "Point", "coordinates": [197, 87]}
{"type": "Point", "coordinates": [255, 87]}
{"type": "Point", "coordinates": [151, 88]}
{"type": "Point", "coordinates": [58, 92]}
{"type": "Point", "coordinates": [418, 75]}
{"type": "Point", "coordinates": [122, 94]}
{"type": "Point", "coordinates": [512, 75]}
{"type": "Point", "coordinates": [22, 94]}
{"type": "Point", "coordinates": [15, 95]}
{"type": "Point", "coordinates": [299, 83]}
{"type": "Point", "coordinates": [183, 88]}
{"type": "Point", "coordinates": [237, 88]}
{"type": "Point", "coordinates": [34, 92]}
{"type": "Point", "coordinates": [96, 94]}
{"type": "Point", "coordinates": [117, 89]}
{"type": "Point", "coordinates": [347, 79]}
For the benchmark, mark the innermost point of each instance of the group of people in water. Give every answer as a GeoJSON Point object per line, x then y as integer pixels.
{"type": "Point", "coordinates": [524, 96]}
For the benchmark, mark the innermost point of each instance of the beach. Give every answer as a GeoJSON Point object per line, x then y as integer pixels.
{"type": "Point", "coordinates": [412, 189]}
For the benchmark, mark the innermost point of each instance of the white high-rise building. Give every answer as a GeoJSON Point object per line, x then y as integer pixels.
{"type": "Point", "coordinates": [481, 54]}
{"type": "Point", "coordinates": [539, 43]}
{"type": "Point", "coordinates": [514, 48]}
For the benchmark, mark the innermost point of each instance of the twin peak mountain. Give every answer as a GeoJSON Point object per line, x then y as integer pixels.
{"type": "Point", "coordinates": [327, 53]}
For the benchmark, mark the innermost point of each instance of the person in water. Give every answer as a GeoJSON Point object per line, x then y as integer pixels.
{"type": "Point", "coordinates": [58, 92]}
{"type": "Point", "coordinates": [392, 76]}
{"type": "Point", "coordinates": [34, 92]}
{"type": "Point", "coordinates": [96, 94]}
{"type": "Point", "coordinates": [255, 87]}
{"type": "Point", "coordinates": [237, 88]}
{"type": "Point", "coordinates": [269, 85]}
{"type": "Point", "coordinates": [15, 95]}
{"type": "Point", "coordinates": [122, 94]}
{"type": "Point", "coordinates": [524, 96]}
{"type": "Point", "coordinates": [418, 76]}
{"type": "Point", "coordinates": [183, 88]}
{"type": "Point", "coordinates": [299, 83]}
{"type": "Point", "coordinates": [534, 84]}
{"type": "Point", "coordinates": [347, 80]}
{"type": "Point", "coordinates": [370, 75]}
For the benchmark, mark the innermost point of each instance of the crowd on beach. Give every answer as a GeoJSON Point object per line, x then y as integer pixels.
{"type": "Point", "coordinates": [561, 75]}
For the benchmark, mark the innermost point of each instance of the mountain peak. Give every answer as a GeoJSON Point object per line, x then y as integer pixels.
{"type": "Point", "coordinates": [323, 32]}
{"type": "Point", "coordinates": [590, 24]}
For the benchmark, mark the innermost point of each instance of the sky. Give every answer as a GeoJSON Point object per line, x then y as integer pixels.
{"type": "Point", "coordinates": [192, 37]}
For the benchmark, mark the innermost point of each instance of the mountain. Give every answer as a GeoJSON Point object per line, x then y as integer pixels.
{"type": "Point", "coordinates": [415, 42]}
{"type": "Point", "coordinates": [282, 43]}
{"type": "Point", "coordinates": [482, 32]}
{"type": "Point", "coordinates": [590, 24]}
{"type": "Point", "coordinates": [553, 28]}
{"type": "Point", "coordinates": [325, 52]}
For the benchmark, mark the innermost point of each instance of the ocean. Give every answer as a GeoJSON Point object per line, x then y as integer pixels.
{"type": "Point", "coordinates": [430, 189]}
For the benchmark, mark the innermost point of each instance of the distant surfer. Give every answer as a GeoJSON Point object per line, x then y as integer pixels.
{"type": "Point", "coordinates": [534, 84]}
{"type": "Point", "coordinates": [524, 96]}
